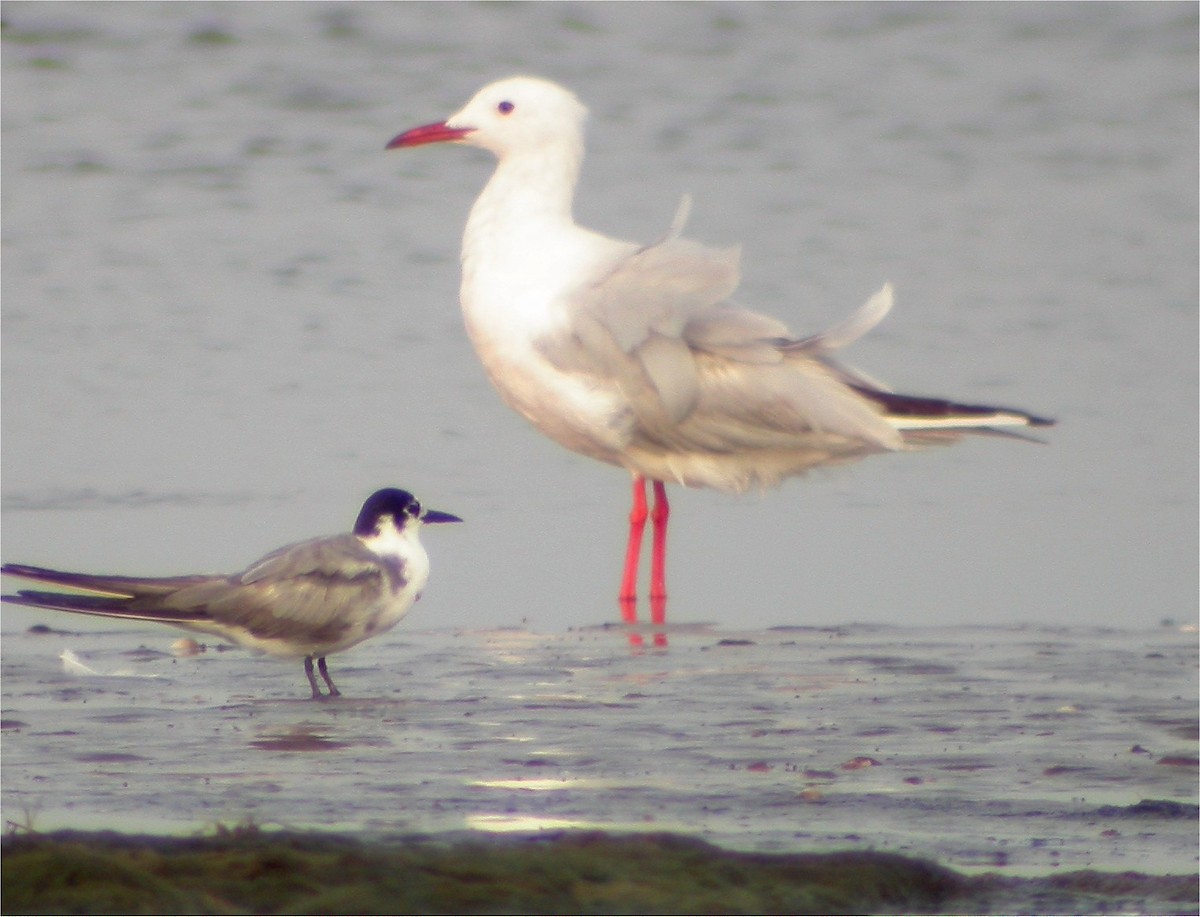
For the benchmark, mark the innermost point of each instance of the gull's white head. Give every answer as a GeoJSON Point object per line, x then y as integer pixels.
{"type": "Point", "coordinates": [508, 116]}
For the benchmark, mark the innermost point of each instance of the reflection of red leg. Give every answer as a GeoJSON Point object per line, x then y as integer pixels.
{"type": "Point", "coordinates": [633, 549]}
{"type": "Point", "coordinates": [658, 558]}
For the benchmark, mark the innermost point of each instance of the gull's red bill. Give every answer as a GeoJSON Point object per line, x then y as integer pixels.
{"type": "Point", "coordinates": [439, 132]}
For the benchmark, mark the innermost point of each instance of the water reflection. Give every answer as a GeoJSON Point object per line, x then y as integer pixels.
{"type": "Point", "coordinates": [303, 737]}
{"type": "Point", "coordinates": [777, 739]}
{"type": "Point", "coordinates": [657, 629]}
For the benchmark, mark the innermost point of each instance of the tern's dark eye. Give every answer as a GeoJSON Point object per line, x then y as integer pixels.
{"type": "Point", "coordinates": [505, 107]}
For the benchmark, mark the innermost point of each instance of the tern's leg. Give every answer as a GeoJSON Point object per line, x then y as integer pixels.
{"type": "Point", "coordinates": [333, 691]}
{"type": "Point", "coordinates": [658, 557]}
{"type": "Point", "coordinates": [633, 549]}
{"type": "Point", "coordinates": [308, 670]}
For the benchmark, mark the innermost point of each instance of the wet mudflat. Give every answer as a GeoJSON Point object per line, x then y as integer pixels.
{"type": "Point", "coordinates": [1016, 751]}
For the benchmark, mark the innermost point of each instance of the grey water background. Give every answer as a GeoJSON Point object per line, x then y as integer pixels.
{"type": "Point", "coordinates": [228, 315]}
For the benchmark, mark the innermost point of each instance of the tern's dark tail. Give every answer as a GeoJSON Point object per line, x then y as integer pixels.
{"type": "Point", "coordinates": [110, 596]}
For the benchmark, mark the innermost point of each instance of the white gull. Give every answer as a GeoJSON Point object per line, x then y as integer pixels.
{"type": "Point", "coordinates": [635, 355]}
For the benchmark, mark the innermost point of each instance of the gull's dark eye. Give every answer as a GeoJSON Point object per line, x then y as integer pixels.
{"type": "Point", "coordinates": [505, 107]}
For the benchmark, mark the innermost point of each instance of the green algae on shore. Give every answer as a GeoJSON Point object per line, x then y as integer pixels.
{"type": "Point", "coordinates": [259, 872]}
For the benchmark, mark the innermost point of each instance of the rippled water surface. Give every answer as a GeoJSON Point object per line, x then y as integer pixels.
{"type": "Point", "coordinates": [1020, 749]}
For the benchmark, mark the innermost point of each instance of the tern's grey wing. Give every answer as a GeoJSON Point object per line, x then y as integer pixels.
{"type": "Point", "coordinates": [332, 556]}
{"type": "Point", "coordinates": [312, 591]}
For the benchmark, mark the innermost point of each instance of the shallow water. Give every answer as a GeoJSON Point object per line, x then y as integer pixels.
{"type": "Point", "coordinates": [1018, 750]}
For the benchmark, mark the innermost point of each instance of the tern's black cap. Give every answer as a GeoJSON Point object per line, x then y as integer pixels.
{"type": "Point", "coordinates": [398, 504]}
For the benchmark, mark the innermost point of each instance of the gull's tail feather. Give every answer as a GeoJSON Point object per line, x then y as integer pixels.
{"type": "Point", "coordinates": [846, 332]}
{"type": "Point", "coordinates": [915, 413]}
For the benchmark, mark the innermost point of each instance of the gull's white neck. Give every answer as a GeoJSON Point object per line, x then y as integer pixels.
{"type": "Point", "coordinates": [523, 256]}
{"type": "Point", "coordinates": [530, 193]}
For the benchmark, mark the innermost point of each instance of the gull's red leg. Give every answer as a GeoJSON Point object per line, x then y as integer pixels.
{"type": "Point", "coordinates": [658, 557]}
{"type": "Point", "coordinates": [633, 549]}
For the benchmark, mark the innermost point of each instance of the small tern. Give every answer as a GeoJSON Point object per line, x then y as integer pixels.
{"type": "Point", "coordinates": [634, 354]}
{"type": "Point", "coordinates": [307, 599]}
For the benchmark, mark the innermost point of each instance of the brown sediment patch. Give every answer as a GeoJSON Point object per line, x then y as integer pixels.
{"type": "Point", "coordinates": [1180, 761]}
{"type": "Point", "coordinates": [858, 763]}
{"type": "Point", "coordinates": [297, 743]}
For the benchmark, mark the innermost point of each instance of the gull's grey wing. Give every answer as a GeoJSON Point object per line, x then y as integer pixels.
{"type": "Point", "coordinates": [660, 287]}
{"type": "Point", "coordinates": [627, 322]}
{"type": "Point", "coordinates": [738, 334]}
{"type": "Point", "coordinates": [657, 323]}
{"type": "Point", "coordinates": [846, 332]}
{"type": "Point", "coordinates": [762, 390]}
